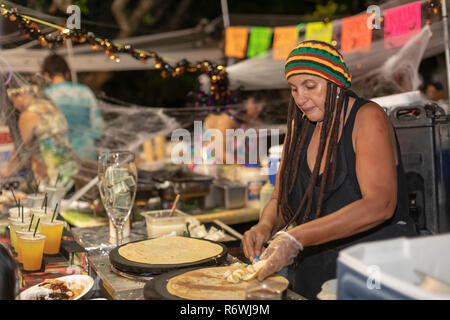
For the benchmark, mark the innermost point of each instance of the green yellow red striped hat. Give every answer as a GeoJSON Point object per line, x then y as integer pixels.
{"type": "Point", "coordinates": [319, 59]}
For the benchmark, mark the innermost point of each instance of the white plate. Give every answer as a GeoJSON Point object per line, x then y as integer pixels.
{"type": "Point", "coordinates": [84, 280]}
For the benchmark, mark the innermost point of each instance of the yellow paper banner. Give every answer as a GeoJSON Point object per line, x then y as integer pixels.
{"type": "Point", "coordinates": [284, 40]}
{"type": "Point", "coordinates": [236, 42]}
{"type": "Point", "coordinates": [319, 31]}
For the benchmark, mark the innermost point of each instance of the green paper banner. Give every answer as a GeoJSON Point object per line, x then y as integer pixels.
{"type": "Point", "coordinates": [260, 40]}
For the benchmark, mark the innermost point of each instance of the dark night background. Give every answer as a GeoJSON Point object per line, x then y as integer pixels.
{"type": "Point", "coordinates": [148, 88]}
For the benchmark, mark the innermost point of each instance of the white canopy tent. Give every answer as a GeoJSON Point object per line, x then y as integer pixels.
{"type": "Point", "coordinates": [195, 45]}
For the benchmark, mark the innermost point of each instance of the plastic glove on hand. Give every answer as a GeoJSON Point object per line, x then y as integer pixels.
{"type": "Point", "coordinates": [280, 253]}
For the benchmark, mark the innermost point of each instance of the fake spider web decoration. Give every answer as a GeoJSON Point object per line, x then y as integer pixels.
{"type": "Point", "coordinates": [128, 127]}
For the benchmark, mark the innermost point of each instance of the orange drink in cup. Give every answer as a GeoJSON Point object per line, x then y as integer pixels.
{"type": "Point", "coordinates": [20, 233]}
{"type": "Point", "coordinates": [32, 247]}
{"type": "Point", "coordinates": [16, 224]}
{"type": "Point", "coordinates": [40, 213]}
{"type": "Point", "coordinates": [53, 232]}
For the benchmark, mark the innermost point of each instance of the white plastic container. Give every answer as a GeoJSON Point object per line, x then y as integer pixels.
{"type": "Point", "coordinates": [159, 223]}
{"type": "Point", "coordinates": [251, 176]}
{"type": "Point", "coordinates": [401, 268]}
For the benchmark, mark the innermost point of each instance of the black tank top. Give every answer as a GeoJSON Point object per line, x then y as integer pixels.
{"type": "Point", "coordinates": [346, 187]}
{"type": "Point", "coordinates": [318, 263]}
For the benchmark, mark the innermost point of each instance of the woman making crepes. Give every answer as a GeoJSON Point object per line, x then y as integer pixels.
{"type": "Point", "coordinates": [340, 180]}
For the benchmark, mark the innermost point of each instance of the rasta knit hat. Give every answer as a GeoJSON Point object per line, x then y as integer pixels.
{"type": "Point", "coordinates": [319, 59]}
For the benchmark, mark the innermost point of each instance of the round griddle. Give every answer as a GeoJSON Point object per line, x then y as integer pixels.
{"type": "Point", "coordinates": [143, 268]}
{"type": "Point", "coordinates": [156, 289]}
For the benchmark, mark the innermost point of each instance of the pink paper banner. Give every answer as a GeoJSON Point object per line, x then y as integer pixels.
{"type": "Point", "coordinates": [401, 23]}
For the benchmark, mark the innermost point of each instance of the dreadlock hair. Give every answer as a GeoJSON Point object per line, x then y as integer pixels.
{"type": "Point", "coordinates": [295, 145]}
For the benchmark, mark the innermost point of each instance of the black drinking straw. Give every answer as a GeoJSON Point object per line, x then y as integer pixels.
{"type": "Point", "coordinates": [44, 203]}
{"type": "Point", "coordinates": [37, 188]}
{"type": "Point", "coordinates": [57, 179]}
{"type": "Point", "coordinates": [22, 213]}
{"type": "Point", "coordinates": [31, 222]}
{"type": "Point", "coordinates": [54, 212]}
{"type": "Point", "coordinates": [35, 229]}
{"type": "Point", "coordinates": [14, 196]}
{"type": "Point", "coordinates": [18, 209]}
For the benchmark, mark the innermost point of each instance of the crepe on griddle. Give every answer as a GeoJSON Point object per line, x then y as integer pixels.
{"type": "Point", "coordinates": [170, 250]}
{"type": "Point", "coordinates": [211, 284]}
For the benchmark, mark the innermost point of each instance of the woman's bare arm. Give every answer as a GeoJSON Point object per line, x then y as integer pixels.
{"type": "Point", "coordinates": [377, 178]}
{"type": "Point", "coordinates": [27, 121]}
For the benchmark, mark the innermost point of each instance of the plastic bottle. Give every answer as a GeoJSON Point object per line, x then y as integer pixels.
{"type": "Point", "coordinates": [254, 178]}
{"type": "Point", "coordinates": [265, 195]}
{"type": "Point", "coordinates": [271, 171]}
{"type": "Point", "coordinates": [275, 153]}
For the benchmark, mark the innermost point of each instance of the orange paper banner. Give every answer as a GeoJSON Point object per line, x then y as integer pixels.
{"type": "Point", "coordinates": [284, 40]}
{"type": "Point", "coordinates": [355, 35]}
{"type": "Point", "coordinates": [236, 42]}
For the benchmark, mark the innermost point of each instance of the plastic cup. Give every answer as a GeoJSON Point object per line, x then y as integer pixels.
{"type": "Point", "coordinates": [55, 195]}
{"type": "Point", "coordinates": [15, 225]}
{"type": "Point", "coordinates": [14, 212]}
{"type": "Point", "coordinates": [39, 213]}
{"type": "Point", "coordinates": [34, 200]}
{"type": "Point", "coordinates": [32, 251]}
{"type": "Point", "coordinates": [20, 233]}
{"type": "Point", "coordinates": [53, 232]}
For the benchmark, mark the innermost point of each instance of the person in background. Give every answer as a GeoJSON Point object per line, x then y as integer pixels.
{"type": "Point", "coordinates": [45, 135]}
{"type": "Point", "coordinates": [9, 275]}
{"type": "Point", "coordinates": [245, 117]}
{"type": "Point", "coordinates": [78, 104]}
{"type": "Point", "coordinates": [433, 91]}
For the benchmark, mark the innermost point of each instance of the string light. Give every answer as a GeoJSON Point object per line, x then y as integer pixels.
{"type": "Point", "coordinates": [31, 30]}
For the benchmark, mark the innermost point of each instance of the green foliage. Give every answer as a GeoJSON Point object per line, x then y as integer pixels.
{"type": "Point", "coordinates": [148, 19]}
{"type": "Point", "coordinates": [330, 9]}
{"type": "Point", "coordinates": [45, 4]}
{"type": "Point", "coordinates": [83, 4]}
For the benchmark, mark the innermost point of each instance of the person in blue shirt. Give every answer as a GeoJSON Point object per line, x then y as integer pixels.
{"type": "Point", "coordinates": [78, 104]}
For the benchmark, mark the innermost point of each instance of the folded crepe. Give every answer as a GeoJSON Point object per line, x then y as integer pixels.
{"type": "Point", "coordinates": [214, 284]}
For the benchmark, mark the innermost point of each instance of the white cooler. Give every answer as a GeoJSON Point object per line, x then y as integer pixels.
{"type": "Point", "coordinates": [401, 268]}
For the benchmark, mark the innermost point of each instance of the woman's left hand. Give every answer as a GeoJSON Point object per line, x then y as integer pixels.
{"type": "Point", "coordinates": [279, 254]}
